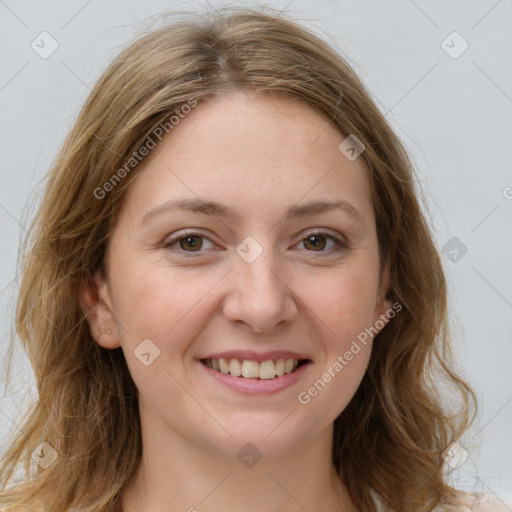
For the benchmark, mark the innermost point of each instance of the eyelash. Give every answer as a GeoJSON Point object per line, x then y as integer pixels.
{"type": "Point", "coordinates": [341, 245]}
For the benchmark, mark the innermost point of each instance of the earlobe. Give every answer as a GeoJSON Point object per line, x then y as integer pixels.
{"type": "Point", "coordinates": [97, 307]}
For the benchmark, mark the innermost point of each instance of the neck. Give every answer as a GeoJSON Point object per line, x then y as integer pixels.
{"type": "Point", "coordinates": [176, 474]}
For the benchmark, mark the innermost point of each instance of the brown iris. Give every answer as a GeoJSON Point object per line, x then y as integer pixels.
{"type": "Point", "coordinates": [315, 244]}
{"type": "Point", "coordinates": [195, 245]}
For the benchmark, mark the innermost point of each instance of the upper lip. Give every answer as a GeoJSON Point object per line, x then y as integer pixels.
{"type": "Point", "coordinates": [256, 356]}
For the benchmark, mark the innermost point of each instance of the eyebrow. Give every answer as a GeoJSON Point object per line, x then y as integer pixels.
{"type": "Point", "coordinates": [217, 209]}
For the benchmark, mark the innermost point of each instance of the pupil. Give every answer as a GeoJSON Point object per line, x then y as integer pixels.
{"type": "Point", "coordinates": [315, 244]}
{"type": "Point", "coordinates": [191, 241]}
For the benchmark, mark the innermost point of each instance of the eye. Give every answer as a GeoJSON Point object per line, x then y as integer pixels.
{"type": "Point", "coordinates": [187, 241]}
{"type": "Point", "coordinates": [317, 241]}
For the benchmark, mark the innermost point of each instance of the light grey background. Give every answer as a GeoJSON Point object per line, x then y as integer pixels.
{"type": "Point", "coordinates": [453, 114]}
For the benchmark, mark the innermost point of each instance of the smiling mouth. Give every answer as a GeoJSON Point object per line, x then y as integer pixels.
{"type": "Point", "coordinates": [248, 369]}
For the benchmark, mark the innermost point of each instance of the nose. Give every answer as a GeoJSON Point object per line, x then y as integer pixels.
{"type": "Point", "coordinates": [259, 296]}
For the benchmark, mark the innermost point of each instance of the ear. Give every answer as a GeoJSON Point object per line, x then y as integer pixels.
{"type": "Point", "coordinates": [96, 304]}
{"type": "Point", "coordinates": [382, 305]}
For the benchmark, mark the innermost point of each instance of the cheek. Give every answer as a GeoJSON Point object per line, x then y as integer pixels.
{"type": "Point", "coordinates": [160, 304]}
{"type": "Point", "coordinates": [344, 305]}
{"type": "Point", "coordinates": [342, 377]}
{"type": "Point", "coordinates": [344, 311]}
{"type": "Point", "coordinates": [168, 309]}
{"type": "Point", "coordinates": [344, 301]}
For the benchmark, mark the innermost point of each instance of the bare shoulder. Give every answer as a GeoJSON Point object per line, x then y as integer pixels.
{"type": "Point", "coordinates": [476, 502]}
{"type": "Point", "coordinates": [487, 503]}
{"type": "Point", "coordinates": [464, 502]}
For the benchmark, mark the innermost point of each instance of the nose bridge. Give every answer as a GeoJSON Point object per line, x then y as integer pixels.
{"type": "Point", "coordinates": [257, 266]}
{"type": "Point", "coordinates": [259, 295]}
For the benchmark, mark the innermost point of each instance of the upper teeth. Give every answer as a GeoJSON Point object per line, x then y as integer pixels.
{"type": "Point", "coordinates": [252, 369]}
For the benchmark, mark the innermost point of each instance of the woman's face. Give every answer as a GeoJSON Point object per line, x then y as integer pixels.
{"type": "Point", "coordinates": [277, 284]}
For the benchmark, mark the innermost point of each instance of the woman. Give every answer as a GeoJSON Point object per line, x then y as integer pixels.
{"type": "Point", "coordinates": [231, 298]}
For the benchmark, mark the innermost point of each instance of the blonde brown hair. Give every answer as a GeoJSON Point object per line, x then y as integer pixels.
{"type": "Point", "coordinates": [389, 438]}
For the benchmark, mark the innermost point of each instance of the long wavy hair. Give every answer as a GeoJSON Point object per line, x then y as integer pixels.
{"type": "Point", "coordinates": [389, 439]}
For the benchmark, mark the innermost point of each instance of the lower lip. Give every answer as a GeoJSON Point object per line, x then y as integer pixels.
{"type": "Point", "coordinates": [257, 386]}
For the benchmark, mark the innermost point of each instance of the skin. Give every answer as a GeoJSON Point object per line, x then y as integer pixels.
{"type": "Point", "coordinates": [261, 154]}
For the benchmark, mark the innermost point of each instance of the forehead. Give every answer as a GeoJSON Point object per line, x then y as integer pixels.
{"type": "Point", "coordinates": [252, 151]}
